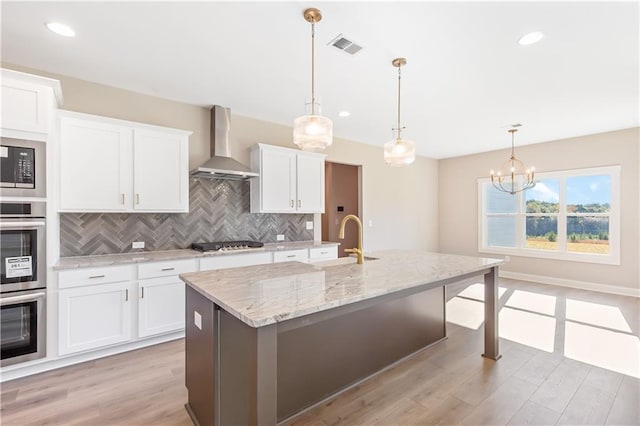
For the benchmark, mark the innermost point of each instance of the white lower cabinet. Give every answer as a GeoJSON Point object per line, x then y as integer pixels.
{"type": "Point", "coordinates": [94, 316]}
{"type": "Point", "coordinates": [300, 255]}
{"type": "Point", "coordinates": [160, 306]}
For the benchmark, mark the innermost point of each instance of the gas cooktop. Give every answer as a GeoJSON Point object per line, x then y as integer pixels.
{"type": "Point", "coordinates": [227, 246]}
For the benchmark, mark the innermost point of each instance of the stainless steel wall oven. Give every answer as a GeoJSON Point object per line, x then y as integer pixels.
{"type": "Point", "coordinates": [22, 281]}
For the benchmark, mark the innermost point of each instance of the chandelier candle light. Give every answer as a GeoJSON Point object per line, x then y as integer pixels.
{"type": "Point", "coordinates": [520, 177]}
{"type": "Point", "coordinates": [399, 152]}
{"type": "Point", "coordinates": [313, 132]}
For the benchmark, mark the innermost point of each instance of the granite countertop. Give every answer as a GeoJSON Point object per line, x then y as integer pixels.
{"type": "Point", "coordinates": [162, 255]}
{"type": "Point", "coordinates": [266, 294]}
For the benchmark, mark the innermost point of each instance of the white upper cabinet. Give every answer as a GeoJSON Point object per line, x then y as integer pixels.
{"type": "Point", "coordinates": [96, 165]}
{"type": "Point", "coordinates": [310, 183]}
{"type": "Point", "coordinates": [161, 174]}
{"type": "Point", "coordinates": [291, 181]}
{"type": "Point", "coordinates": [109, 165]}
{"type": "Point", "coordinates": [27, 104]}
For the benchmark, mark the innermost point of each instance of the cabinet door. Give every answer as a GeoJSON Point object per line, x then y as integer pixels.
{"type": "Point", "coordinates": [96, 163]}
{"type": "Point", "coordinates": [24, 106]}
{"type": "Point", "coordinates": [310, 184]}
{"type": "Point", "coordinates": [161, 171]}
{"type": "Point", "coordinates": [160, 306]}
{"type": "Point", "coordinates": [277, 176]}
{"type": "Point", "coordinates": [94, 316]}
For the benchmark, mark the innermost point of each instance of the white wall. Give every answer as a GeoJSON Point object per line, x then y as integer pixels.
{"type": "Point", "coordinates": [458, 202]}
{"type": "Point", "coordinates": [401, 203]}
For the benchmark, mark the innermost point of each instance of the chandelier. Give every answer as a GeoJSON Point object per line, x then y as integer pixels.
{"type": "Point", "coordinates": [399, 152]}
{"type": "Point", "coordinates": [513, 176]}
{"type": "Point", "coordinates": [313, 132]}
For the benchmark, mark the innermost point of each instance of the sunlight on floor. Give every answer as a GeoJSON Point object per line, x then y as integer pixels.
{"type": "Point", "coordinates": [604, 348]}
{"type": "Point", "coordinates": [597, 314]}
{"type": "Point", "coordinates": [534, 302]}
{"type": "Point", "coordinates": [535, 330]}
{"type": "Point", "coordinates": [476, 291]}
{"type": "Point", "coordinates": [465, 313]}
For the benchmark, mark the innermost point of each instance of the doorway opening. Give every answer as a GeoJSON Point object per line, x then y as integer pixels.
{"type": "Point", "coordinates": [342, 198]}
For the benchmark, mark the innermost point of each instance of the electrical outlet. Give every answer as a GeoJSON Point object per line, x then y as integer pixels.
{"type": "Point", "coordinates": [137, 245]}
{"type": "Point", "coordinates": [370, 224]}
{"type": "Point", "coordinates": [280, 237]}
{"type": "Point", "coordinates": [507, 258]}
{"type": "Point", "coordinates": [309, 224]}
{"type": "Point", "coordinates": [197, 319]}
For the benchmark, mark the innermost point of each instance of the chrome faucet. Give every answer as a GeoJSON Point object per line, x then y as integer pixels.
{"type": "Point", "coordinates": [357, 250]}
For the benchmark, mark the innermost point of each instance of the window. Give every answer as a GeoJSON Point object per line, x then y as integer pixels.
{"type": "Point", "coordinates": [569, 215]}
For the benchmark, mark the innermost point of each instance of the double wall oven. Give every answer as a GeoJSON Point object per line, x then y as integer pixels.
{"type": "Point", "coordinates": [22, 281]}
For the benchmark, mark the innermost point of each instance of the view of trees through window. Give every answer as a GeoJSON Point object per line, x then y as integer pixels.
{"type": "Point", "coordinates": [588, 204]}
{"type": "Point", "coordinates": [566, 212]}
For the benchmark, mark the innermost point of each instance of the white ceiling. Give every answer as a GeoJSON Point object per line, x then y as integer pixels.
{"type": "Point", "coordinates": [466, 77]}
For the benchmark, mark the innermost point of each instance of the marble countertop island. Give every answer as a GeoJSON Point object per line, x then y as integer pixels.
{"type": "Point", "coordinates": [266, 342]}
{"type": "Point", "coordinates": [266, 294]}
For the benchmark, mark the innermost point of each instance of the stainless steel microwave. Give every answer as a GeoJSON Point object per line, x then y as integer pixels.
{"type": "Point", "coordinates": [22, 168]}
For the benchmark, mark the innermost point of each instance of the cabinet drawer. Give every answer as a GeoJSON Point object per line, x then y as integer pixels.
{"type": "Point", "coordinates": [234, 260]}
{"type": "Point", "coordinates": [166, 268]}
{"type": "Point", "coordinates": [91, 276]}
{"type": "Point", "coordinates": [323, 253]}
{"type": "Point", "coordinates": [291, 255]}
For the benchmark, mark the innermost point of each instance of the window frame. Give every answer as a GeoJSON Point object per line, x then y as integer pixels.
{"type": "Point", "coordinates": [520, 249]}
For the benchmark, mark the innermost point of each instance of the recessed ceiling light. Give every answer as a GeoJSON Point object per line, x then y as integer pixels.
{"type": "Point", "coordinates": [344, 113]}
{"type": "Point", "coordinates": [530, 38]}
{"type": "Point", "coordinates": [61, 29]}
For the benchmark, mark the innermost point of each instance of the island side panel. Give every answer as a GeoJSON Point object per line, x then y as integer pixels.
{"type": "Point", "coordinates": [246, 373]}
{"type": "Point", "coordinates": [200, 356]}
{"type": "Point", "coordinates": [491, 311]}
{"type": "Point", "coordinates": [323, 357]}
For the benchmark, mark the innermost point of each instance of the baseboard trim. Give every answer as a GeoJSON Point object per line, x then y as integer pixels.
{"type": "Point", "coordinates": [29, 368]}
{"type": "Point", "coordinates": [562, 282]}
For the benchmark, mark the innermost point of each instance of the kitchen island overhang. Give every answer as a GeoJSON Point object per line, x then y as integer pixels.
{"type": "Point", "coordinates": [265, 342]}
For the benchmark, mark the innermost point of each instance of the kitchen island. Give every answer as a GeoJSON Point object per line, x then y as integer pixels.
{"type": "Point", "coordinates": [265, 342]}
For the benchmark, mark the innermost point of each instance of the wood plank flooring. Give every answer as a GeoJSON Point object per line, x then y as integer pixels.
{"type": "Point", "coordinates": [446, 384]}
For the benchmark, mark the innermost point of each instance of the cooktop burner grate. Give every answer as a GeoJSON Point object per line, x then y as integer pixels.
{"type": "Point", "coordinates": [227, 245]}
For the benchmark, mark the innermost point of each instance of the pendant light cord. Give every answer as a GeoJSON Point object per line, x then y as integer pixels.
{"type": "Point", "coordinates": [399, 129]}
{"type": "Point", "coordinates": [313, 65]}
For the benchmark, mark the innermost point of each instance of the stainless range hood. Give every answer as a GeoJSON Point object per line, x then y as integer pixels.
{"type": "Point", "coordinates": [221, 165]}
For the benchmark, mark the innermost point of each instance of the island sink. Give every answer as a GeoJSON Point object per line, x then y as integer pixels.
{"type": "Point", "coordinates": [265, 342]}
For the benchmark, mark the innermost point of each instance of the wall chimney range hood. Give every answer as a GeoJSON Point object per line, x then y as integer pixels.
{"type": "Point", "coordinates": [221, 165]}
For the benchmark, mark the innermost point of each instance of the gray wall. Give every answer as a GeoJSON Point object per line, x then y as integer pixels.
{"type": "Point", "coordinates": [218, 211]}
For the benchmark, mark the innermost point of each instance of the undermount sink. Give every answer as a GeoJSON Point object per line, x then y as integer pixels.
{"type": "Point", "coordinates": [350, 260]}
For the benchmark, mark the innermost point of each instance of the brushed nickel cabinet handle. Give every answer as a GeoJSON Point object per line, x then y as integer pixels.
{"type": "Point", "coordinates": [168, 269]}
{"type": "Point", "coordinates": [292, 255]}
{"type": "Point", "coordinates": [291, 203]}
{"type": "Point", "coordinates": [96, 276]}
{"type": "Point", "coordinates": [142, 292]}
{"type": "Point", "coordinates": [324, 252]}
{"type": "Point", "coordinates": [122, 198]}
{"type": "Point", "coordinates": [126, 295]}
{"type": "Point", "coordinates": [137, 198]}
{"type": "Point", "coordinates": [299, 203]}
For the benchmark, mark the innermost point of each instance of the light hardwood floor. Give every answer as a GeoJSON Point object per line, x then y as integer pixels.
{"type": "Point", "coordinates": [557, 368]}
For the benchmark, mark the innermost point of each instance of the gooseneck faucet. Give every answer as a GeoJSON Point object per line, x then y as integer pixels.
{"type": "Point", "coordinates": [357, 250]}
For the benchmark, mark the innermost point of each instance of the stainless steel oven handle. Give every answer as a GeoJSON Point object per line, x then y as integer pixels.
{"type": "Point", "coordinates": [30, 224]}
{"type": "Point", "coordinates": [23, 298]}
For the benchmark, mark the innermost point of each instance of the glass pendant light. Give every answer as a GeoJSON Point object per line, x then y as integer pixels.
{"type": "Point", "coordinates": [399, 152]}
{"type": "Point", "coordinates": [313, 132]}
{"type": "Point", "coordinates": [520, 177]}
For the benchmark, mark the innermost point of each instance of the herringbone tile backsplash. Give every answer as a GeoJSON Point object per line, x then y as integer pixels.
{"type": "Point", "coordinates": [218, 211]}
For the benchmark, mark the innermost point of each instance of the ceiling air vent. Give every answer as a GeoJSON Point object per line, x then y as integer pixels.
{"type": "Point", "coordinates": [344, 44]}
